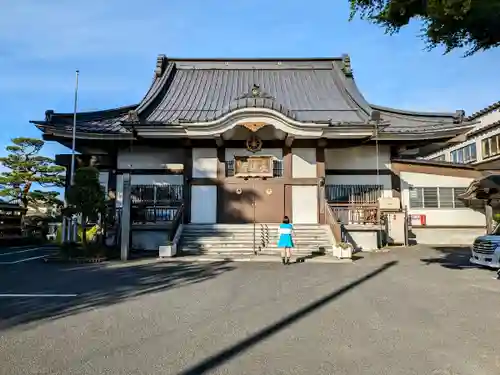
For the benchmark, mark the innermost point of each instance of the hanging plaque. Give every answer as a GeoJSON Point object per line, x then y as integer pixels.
{"type": "Point", "coordinates": [253, 166]}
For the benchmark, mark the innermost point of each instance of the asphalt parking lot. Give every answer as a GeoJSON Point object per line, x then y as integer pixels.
{"type": "Point", "coordinates": [23, 254]}
{"type": "Point", "coordinates": [409, 311]}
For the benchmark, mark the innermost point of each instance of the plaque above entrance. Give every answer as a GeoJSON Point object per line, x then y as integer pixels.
{"type": "Point", "coordinates": [253, 166]}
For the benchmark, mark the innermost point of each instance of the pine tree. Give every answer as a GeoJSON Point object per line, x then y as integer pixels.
{"type": "Point", "coordinates": [86, 197]}
{"type": "Point", "coordinates": [25, 168]}
{"type": "Point", "coordinates": [470, 24]}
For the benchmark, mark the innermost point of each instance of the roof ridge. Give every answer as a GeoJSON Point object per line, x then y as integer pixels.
{"type": "Point", "coordinates": [254, 59]}
{"type": "Point", "coordinates": [484, 111]}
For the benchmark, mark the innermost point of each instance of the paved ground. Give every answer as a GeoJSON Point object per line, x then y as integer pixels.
{"type": "Point", "coordinates": [410, 311]}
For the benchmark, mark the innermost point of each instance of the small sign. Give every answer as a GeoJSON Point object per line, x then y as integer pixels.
{"type": "Point", "coordinates": [253, 166]}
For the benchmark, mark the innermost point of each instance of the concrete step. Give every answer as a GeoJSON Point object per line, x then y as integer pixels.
{"type": "Point", "coordinates": [249, 230]}
{"type": "Point", "coordinates": [249, 239]}
{"type": "Point", "coordinates": [243, 252]}
{"type": "Point", "coordinates": [298, 245]}
{"type": "Point", "coordinates": [238, 239]}
{"type": "Point", "coordinates": [246, 226]}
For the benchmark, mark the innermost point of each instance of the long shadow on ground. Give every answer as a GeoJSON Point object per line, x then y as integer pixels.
{"type": "Point", "coordinates": [451, 257]}
{"type": "Point", "coordinates": [94, 285]}
{"type": "Point", "coordinates": [233, 351]}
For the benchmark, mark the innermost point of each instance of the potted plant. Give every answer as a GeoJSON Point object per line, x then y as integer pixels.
{"type": "Point", "coordinates": [343, 250]}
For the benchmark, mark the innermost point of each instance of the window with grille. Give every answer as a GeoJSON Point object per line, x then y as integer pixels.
{"type": "Point", "coordinates": [436, 197]}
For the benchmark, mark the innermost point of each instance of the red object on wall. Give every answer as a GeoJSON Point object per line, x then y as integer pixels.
{"type": "Point", "coordinates": [423, 219]}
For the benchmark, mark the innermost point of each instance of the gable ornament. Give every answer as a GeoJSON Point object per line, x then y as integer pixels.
{"type": "Point", "coordinates": [254, 144]}
{"type": "Point", "coordinates": [253, 126]}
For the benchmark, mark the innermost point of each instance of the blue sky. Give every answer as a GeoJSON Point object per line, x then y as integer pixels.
{"type": "Point", "coordinates": [114, 44]}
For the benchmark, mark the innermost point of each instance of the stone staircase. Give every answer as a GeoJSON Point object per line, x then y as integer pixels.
{"type": "Point", "coordinates": [237, 239]}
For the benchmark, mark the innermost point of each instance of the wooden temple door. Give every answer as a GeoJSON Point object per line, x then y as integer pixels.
{"type": "Point", "coordinates": [242, 202]}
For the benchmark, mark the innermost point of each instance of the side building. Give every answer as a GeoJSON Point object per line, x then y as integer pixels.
{"type": "Point", "coordinates": [251, 140]}
{"type": "Point", "coordinates": [479, 147]}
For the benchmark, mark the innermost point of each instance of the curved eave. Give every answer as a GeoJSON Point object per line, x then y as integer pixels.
{"type": "Point", "coordinates": [157, 89]}
{"type": "Point", "coordinates": [51, 116]}
{"type": "Point", "coordinates": [432, 134]}
{"type": "Point", "coordinates": [53, 131]}
{"type": "Point", "coordinates": [417, 115]}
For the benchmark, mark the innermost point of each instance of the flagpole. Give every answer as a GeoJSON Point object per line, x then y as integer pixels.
{"type": "Point", "coordinates": [73, 139]}
{"type": "Point", "coordinates": [68, 225]}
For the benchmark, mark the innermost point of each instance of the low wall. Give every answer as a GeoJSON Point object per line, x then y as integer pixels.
{"type": "Point", "coordinates": [149, 240]}
{"type": "Point", "coordinates": [445, 236]}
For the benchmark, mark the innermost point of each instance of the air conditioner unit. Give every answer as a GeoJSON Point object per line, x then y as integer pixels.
{"type": "Point", "coordinates": [389, 204]}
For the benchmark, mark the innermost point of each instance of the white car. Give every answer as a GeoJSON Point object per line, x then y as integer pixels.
{"type": "Point", "coordinates": [486, 250]}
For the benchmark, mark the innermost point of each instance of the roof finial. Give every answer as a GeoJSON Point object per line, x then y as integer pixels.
{"type": "Point", "coordinates": [346, 65]}
{"type": "Point", "coordinates": [256, 91]}
{"type": "Point", "coordinates": [161, 62]}
{"type": "Point", "coordinates": [132, 116]}
{"type": "Point", "coordinates": [459, 116]}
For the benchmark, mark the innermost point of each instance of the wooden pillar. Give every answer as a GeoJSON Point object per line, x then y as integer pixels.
{"type": "Point", "coordinates": [221, 175]}
{"type": "Point", "coordinates": [188, 175]}
{"type": "Point", "coordinates": [287, 174]}
{"type": "Point", "coordinates": [395, 179]}
{"type": "Point", "coordinates": [321, 175]}
{"type": "Point", "coordinates": [488, 210]}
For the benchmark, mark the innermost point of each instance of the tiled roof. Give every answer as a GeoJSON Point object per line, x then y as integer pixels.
{"type": "Point", "coordinates": [198, 90]}
{"type": "Point", "coordinates": [484, 111]}
{"type": "Point", "coordinates": [107, 121]}
{"type": "Point", "coordinates": [408, 121]}
{"type": "Point", "coordinates": [320, 90]}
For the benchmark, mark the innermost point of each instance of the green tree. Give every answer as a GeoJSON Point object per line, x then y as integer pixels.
{"type": "Point", "coordinates": [470, 24]}
{"type": "Point", "coordinates": [25, 168]}
{"type": "Point", "coordinates": [86, 197]}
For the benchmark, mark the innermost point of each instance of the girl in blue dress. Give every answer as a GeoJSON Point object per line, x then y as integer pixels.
{"type": "Point", "coordinates": [285, 241]}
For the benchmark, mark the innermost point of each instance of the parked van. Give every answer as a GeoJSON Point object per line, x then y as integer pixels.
{"type": "Point", "coordinates": [486, 250]}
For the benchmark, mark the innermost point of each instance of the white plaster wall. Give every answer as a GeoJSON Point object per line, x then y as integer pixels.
{"type": "Point", "coordinates": [439, 216]}
{"type": "Point", "coordinates": [205, 162]}
{"type": "Point", "coordinates": [487, 119]}
{"type": "Point", "coordinates": [277, 153]}
{"type": "Point", "coordinates": [146, 180]}
{"type": "Point", "coordinates": [305, 204]}
{"type": "Point", "coordinates": [361, 157]}
{"type": "Point", "coordinates": [204, 204]}
{"type": "Point", "coordinates": [304, 162]}
{"type": "Point", "coordinates": [150, 158]}
{"type": "Point", "coordinates": [384, 180]}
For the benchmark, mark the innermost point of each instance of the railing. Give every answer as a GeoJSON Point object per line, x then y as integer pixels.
{"type": "Point", "coordinates": [356, 214]}
{"type": "Point", "coordinates": [155, 204]}
{"type": "Point", "coordinates": [354, 194]}
{"type": "Point", "coordinates": [264, 236]}
{"type": "Point", "coordinates": [176, 222]}
{"type": "Point", "coordinates": [156, 194]}
{"type": "Point", "coordinates": [333, 222]}
{"type": "Point", "coordinates": [277, 168]}
{"type": "Point", "coordinates": [141, 214]}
